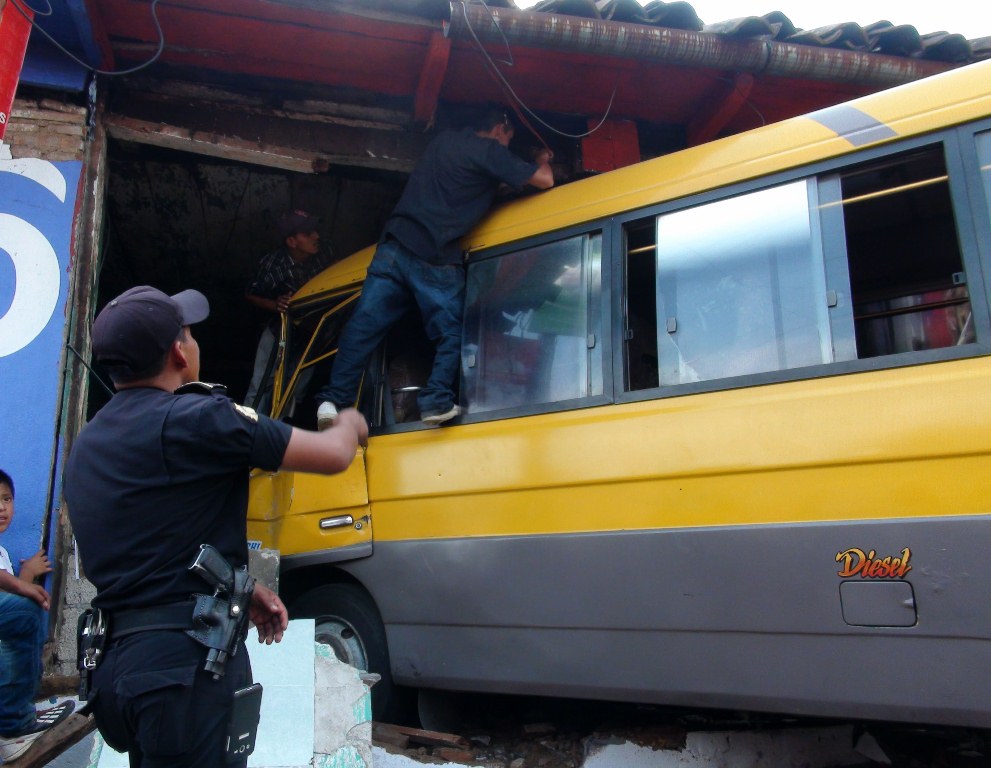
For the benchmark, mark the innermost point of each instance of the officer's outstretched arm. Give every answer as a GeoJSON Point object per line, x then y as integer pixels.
{"type": "Point", "coordinates": [329, 451]}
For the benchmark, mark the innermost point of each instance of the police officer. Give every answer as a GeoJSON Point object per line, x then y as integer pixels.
{"type": "Point", "coordinates": [159, 471]}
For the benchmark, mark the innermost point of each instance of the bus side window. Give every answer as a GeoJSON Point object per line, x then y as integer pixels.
{"type": "Point", "coordinates": [641, 307]}
{"type": "Point", "coordinates": [408, 356]}
{"type": "Point", "coordinates": [854, 264]}
{"type": "Point", "coordinates": [531, 335]}
{"type": "Point", "coordinates": [740, 286]}
{"type": "Point", "coordinates": [907, 281]}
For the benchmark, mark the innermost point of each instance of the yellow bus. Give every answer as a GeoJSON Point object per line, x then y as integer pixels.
{"type": "Point", "coordinates": [726, 441]}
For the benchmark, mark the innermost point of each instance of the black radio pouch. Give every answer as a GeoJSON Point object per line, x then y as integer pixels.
{"type": "Point", "coordinates": [242, 728]}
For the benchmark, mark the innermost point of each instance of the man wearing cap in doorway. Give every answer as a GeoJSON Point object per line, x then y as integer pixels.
{"type": "Point", "coordinates": [159, 471]}
{"type": "Point", "coordinates": [280, 274]}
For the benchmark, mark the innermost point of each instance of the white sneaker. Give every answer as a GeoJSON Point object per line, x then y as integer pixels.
{"type": "Point", "coordinates": [326, 414]}
{"type": "Point", "coordinates": [434, 418]}
{"type": "Point", "coordinates": [13, 748]}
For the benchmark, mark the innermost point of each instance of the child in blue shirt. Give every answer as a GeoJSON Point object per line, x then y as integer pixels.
{"type": "Point", "coordinates": [22, 633]}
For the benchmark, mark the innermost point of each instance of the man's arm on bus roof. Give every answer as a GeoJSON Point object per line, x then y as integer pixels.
{"type": "Point", "coordinates": [329, 451]}
{"type": "Point", "coordinates": [543, 177]}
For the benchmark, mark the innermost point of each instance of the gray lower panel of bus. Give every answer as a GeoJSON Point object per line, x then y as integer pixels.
{"type": "Point", "coordinates": [753, 618]}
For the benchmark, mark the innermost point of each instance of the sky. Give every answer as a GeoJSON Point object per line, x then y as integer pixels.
{"type": "Point", "coordinates": [970, 18]}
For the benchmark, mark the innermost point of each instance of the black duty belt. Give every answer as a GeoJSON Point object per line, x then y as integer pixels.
{"type": "Point", "coordinates": [168, 616]}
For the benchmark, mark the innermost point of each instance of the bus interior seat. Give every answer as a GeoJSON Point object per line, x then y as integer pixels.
{"type": "Point", "coordinates": [409, 356]}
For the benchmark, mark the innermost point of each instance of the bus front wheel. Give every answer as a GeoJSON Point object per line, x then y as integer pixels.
{"type": "Point", "coordinates": [347, 620]}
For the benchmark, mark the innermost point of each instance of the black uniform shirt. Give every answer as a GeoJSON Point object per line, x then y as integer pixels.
{"type": "Point", "coordinates": [153, 476]}
{"type": "Point", "coordinates": [451, 188]}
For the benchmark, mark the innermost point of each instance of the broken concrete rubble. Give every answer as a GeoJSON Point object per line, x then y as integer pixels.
{"type": "Point", "coordinates": [543, 745]}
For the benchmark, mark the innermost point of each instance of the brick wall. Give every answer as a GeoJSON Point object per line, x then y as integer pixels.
{"type": "Point", "coordinates": [47, 129]}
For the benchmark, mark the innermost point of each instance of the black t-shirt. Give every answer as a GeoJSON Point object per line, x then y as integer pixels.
{"type": "Point", "coordinates": [450, 190]}
{"type": "Point", "coordinates": [153, 476]}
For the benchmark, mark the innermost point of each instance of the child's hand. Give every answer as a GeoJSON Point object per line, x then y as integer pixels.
{"type": "Point", "coordinates": [35, 566]}
{"type": "Point", "coordinates": [38, 594]}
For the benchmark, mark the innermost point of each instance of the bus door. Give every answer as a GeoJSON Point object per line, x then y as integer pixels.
{"type": "Point", "coordinates": [297, 512]}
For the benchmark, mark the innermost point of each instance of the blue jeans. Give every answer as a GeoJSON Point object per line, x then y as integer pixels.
{"type": "Point", "coordinates": [22, 633]}
{"type": "Point", "coordinates": [397, 281]}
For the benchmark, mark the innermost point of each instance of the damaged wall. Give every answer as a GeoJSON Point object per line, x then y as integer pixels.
{"type": "Point", "coordinates": [46, 128]}
{"type": "Point", "coordinates": [41, 193]}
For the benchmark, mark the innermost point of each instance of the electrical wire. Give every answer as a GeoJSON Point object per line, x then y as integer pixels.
{"type": "Point", "coordinates": [154, 17]}
{"type": "Point", "coordinates": [509, 51]}
{"type": "Point", "coordinates": [746, 99]}
{"type": "Point", "coordinates": [36, 12]}
{"type": "Point", "coordinates": [89, 368]}
{"type": "Point", "coordinates": [515, 96]}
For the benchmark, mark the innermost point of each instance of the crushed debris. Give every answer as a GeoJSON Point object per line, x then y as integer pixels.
{"type": "Point", "coordinates": [519, 732]}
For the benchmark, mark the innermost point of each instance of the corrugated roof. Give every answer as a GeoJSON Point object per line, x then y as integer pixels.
{"type": "Point", "coordinates": [879, 37]}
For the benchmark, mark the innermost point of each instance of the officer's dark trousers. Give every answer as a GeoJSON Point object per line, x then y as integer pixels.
{"type": "Point", "coordinates": [154, 700]}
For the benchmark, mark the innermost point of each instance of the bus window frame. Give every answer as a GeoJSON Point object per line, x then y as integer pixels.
{"type": "Point", "coordinates": [975, 229]}
{"type": "Point", "coordinates": [959, 182]}
{"type": "Point", "coordinates": [592, 269]}
{"type": "Point", "coordinates": [284, 379]}
{"type": "Point", "coordinates": [601, 308]}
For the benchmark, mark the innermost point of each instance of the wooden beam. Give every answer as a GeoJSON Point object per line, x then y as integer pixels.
{"type": "Point", "coordinates": [56, 740]}
{"type": "Point", "coordinates": [212, 144]}
{"type": "Point", "coordinates": [431, 78]}
{"type": "Point", "coordinates": [297, 105]}
{"type": "Point", "coordinates": [265, 135]}
{"type": "Point", "coordinates": [717, 112]}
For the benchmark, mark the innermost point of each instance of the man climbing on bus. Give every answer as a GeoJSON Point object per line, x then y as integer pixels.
{"type": "Point", "coordinates": [418, 260]}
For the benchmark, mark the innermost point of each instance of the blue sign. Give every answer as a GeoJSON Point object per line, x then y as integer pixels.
{"type": "Point", "coordinates": [37, 207]}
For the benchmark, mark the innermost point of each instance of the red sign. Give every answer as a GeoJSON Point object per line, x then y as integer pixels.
{"type": "Point", "coordinates": [15, 28]}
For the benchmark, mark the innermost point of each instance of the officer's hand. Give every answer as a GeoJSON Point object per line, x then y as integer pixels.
{"type": "Point", "coordinates": [268, 614]}
{"type": "Point", "coordinates": [353, 418]}
{"type": "Point", "coordinates": [282, 302]}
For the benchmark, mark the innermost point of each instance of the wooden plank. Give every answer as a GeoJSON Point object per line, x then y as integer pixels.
{"type": "Point", "coordinates": [718, 110]}
{"type": "Point", "coordinates": [270, 138]}
{"type": "Point", "coordinates": [387, 732]}
{"type": "Point", "coordinates": [55, 741]}
{"type": "Point", "coordinates": [211, 144]}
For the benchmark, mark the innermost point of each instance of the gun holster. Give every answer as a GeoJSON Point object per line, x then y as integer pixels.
{"type": "Point", "coordinates": [211, 620]}
{"type": "Point", "coordinates": [220, 621]}
{"type": "Point", "coordinates": [92, 631]}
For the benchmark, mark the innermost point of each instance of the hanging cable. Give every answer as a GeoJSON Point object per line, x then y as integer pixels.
{"type": "Point", "coordinates": [23, 8]}
{"type": "Point", "coordinates": [515, 98]}
{"type": "Point", "coordinates": [509, 51]}
{"type": "Point", "coordinates": [89, 368]}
